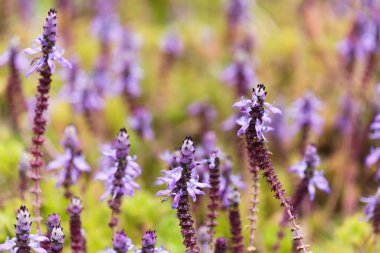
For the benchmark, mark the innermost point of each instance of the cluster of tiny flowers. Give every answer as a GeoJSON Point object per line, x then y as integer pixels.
{"type": "Point", "coordinates": [172, 176]}
{"type": "Point", "coordinates": [239, 73]}
{"type": "Point", "coordinates": [305, 111]}
{"type": "Point", "coordinates": [115, 155]}
{"type": "Point", "coordinates": [307, 168]}
{"type": "Point", "coordinates": [72, 161]}
{"type": "Point", "coordinates": [127, 64]}
{"type": "Point", "coordinates": [47, 50]}
{"type": "Point", "coordinates": [245, 107]}
{"type": "Point", "coordinates": [228, 181]}
{"type": "Point", "coordinates": [374, 155]}
{"type": "Point", "coordinates": [23, 239]}
{"type": "Point", "coordinates": [141, 121]}
{"type": "Point", "coordinates": [148, 244]}
{"type": "Point", "coordinates": [360, 41]}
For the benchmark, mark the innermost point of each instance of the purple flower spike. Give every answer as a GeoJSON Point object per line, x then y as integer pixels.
{"type": "Point", "coordinates": [245, 107]}
{"type": "Point", "coordinates": [221, 245]}
{"type": "Point", "coordinates": [53, 221]}
{"type": "Point", "coordinates": [307, 169]}
{"type": "Point", "coordinates": [181, 185]}
{"type": "Point", "coordinates": [375, 128]}
{"type": "Point", "coordinates": [141, 121]}
{"type": "Point", "coordinates": [149, 242]}
{"type": "Point", "coordinates": [239, 74]}
{"type": "Point", "coordinates": [24, 241]}
{"type": "Point", "coordinates": [119, 178]}
{"type": "Point", "coordinates": [48, 51]}
{"type": "Point", "coordinates": [56, 240]}
{"type": "Point", "coordinates": [374, 156]}
{"type": "Point", "coordinates": [121, 243]}
{"type": "Point", "coordinates": [72, 161]}
{"type": "Point", "coordinates": [77, 241]}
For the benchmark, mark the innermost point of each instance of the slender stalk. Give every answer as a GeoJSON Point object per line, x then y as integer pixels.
{"type": "Point", "coordinates": [213, 204]}
{"type": "Point", "coordinates": [253, 210]}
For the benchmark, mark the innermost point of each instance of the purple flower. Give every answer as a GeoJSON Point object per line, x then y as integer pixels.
{"type": "Point", "coordinates": [374, 156]}
{"type": "Point", "coordinates": [245, 106]}
{"type": "Point", "coordinates": [123, 169]}
{"type": "Point", "coordinates": [240, 73]}
{"type": "Point", "coordinates": [76, 237]}
{"type": "Point", "coordinates": [307, 168]}
{"type": "Point", "coordinates": [121, 243]}
{"type": "Point", "coordinates": [12, 50]}
{"type": "Point", "coordinates": [53, 221]}
{"type": "Point", "coordinates": [372, 202]}
{"type": "Point", "coordinates": [24, 241]}
{"type": "Point", "coordinates": [149, 242]}
{"type": "Point", "coordinates": [172, 176]}
{"type": "Point", "coordinates": [141, 121]}
{"type": "Point", "coordinates": [305, 112]}
{"type": "Point", "coordinates": [72, 161]}
{"type": "Point", "coordinates": [203, 109]}
{"type": "Point", "coordinates": [172, 44]}
{"type": "Point", "coordinates": [47, 50]}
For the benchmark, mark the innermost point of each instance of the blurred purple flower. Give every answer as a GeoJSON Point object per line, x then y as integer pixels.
{"type": "Point", "coordinates": [47, 53]}
{"type": "Point", "coordinates": [127, 65]}
{"type": "Point", "coordinates": [237, 11]}
{"type": "Point", "coordinates": [171, 44]}
{"type": "Point", "coordinates": [307, 168]}
{"type": "Point", "coordinates": [245, 107]}
{"type": "Point", "coordinates": [240, 73]}
{"type": "Point", "coordinates": [141, 121]}
{"type": "Point", "coordinates": [24, 241]}
{"type": "Point", "coordinates": [305, 112]}
{"type": "Point", "coordinates": [228, 181]}
{"type": "Point", "coordinates": [375, 128]}
{"type": "Point", "coordinates": [372, 202]}
{"type": "Point", "coordinates": [72, 161]}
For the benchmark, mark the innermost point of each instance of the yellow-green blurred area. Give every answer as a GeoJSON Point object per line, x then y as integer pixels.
{"type": "Point", "coordinates": [293, 53]}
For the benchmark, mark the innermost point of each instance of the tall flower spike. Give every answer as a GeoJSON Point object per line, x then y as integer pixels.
{"type": "Point", "coordinates": [310, 179]}
{"type": "Point", "coordinates": [24, 241]}
{"type": "Point", "coordinates": [16, 103]}
{"type": "Point", "coordinates": [72, 161]}
{"type": "Point", "coordinates": [119, 177]}
{"type": "Point", "coordinates": [53, 221]}
{"type": "Point", "coordinates": [76, 237]}
{"type": "Point", "coordinates": [121, 243]}
{"type": "Point", "coordinates": [213, 204]}
{"type": "Point", "coordinates": [44, 63]}
{"type": "Point", "coordinates": [181, 185]}
{"type": "Point", "coordinates": [372, 211]}
{"type": "Point", "coordinates": [255, 117]}
{"type": "Point", "coordinates": [235, 222]}
{"type": "Point", "coordinates": [56, 240]}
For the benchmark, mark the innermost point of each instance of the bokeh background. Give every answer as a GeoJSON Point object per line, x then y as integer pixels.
{"type": "Point", "coordinates": [294, 49]}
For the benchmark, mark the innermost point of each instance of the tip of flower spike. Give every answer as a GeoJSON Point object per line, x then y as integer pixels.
{"type": "Point", "coordinates": [149, 239]}
{"type": "Point", "coordinates": [53, 221]}
{"type": "Point", "coordinates": [259, 91]}
{"type": "Point", "coordinates": [57, 234]}
{"type": "Point", "coordinates": [75, 206]}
